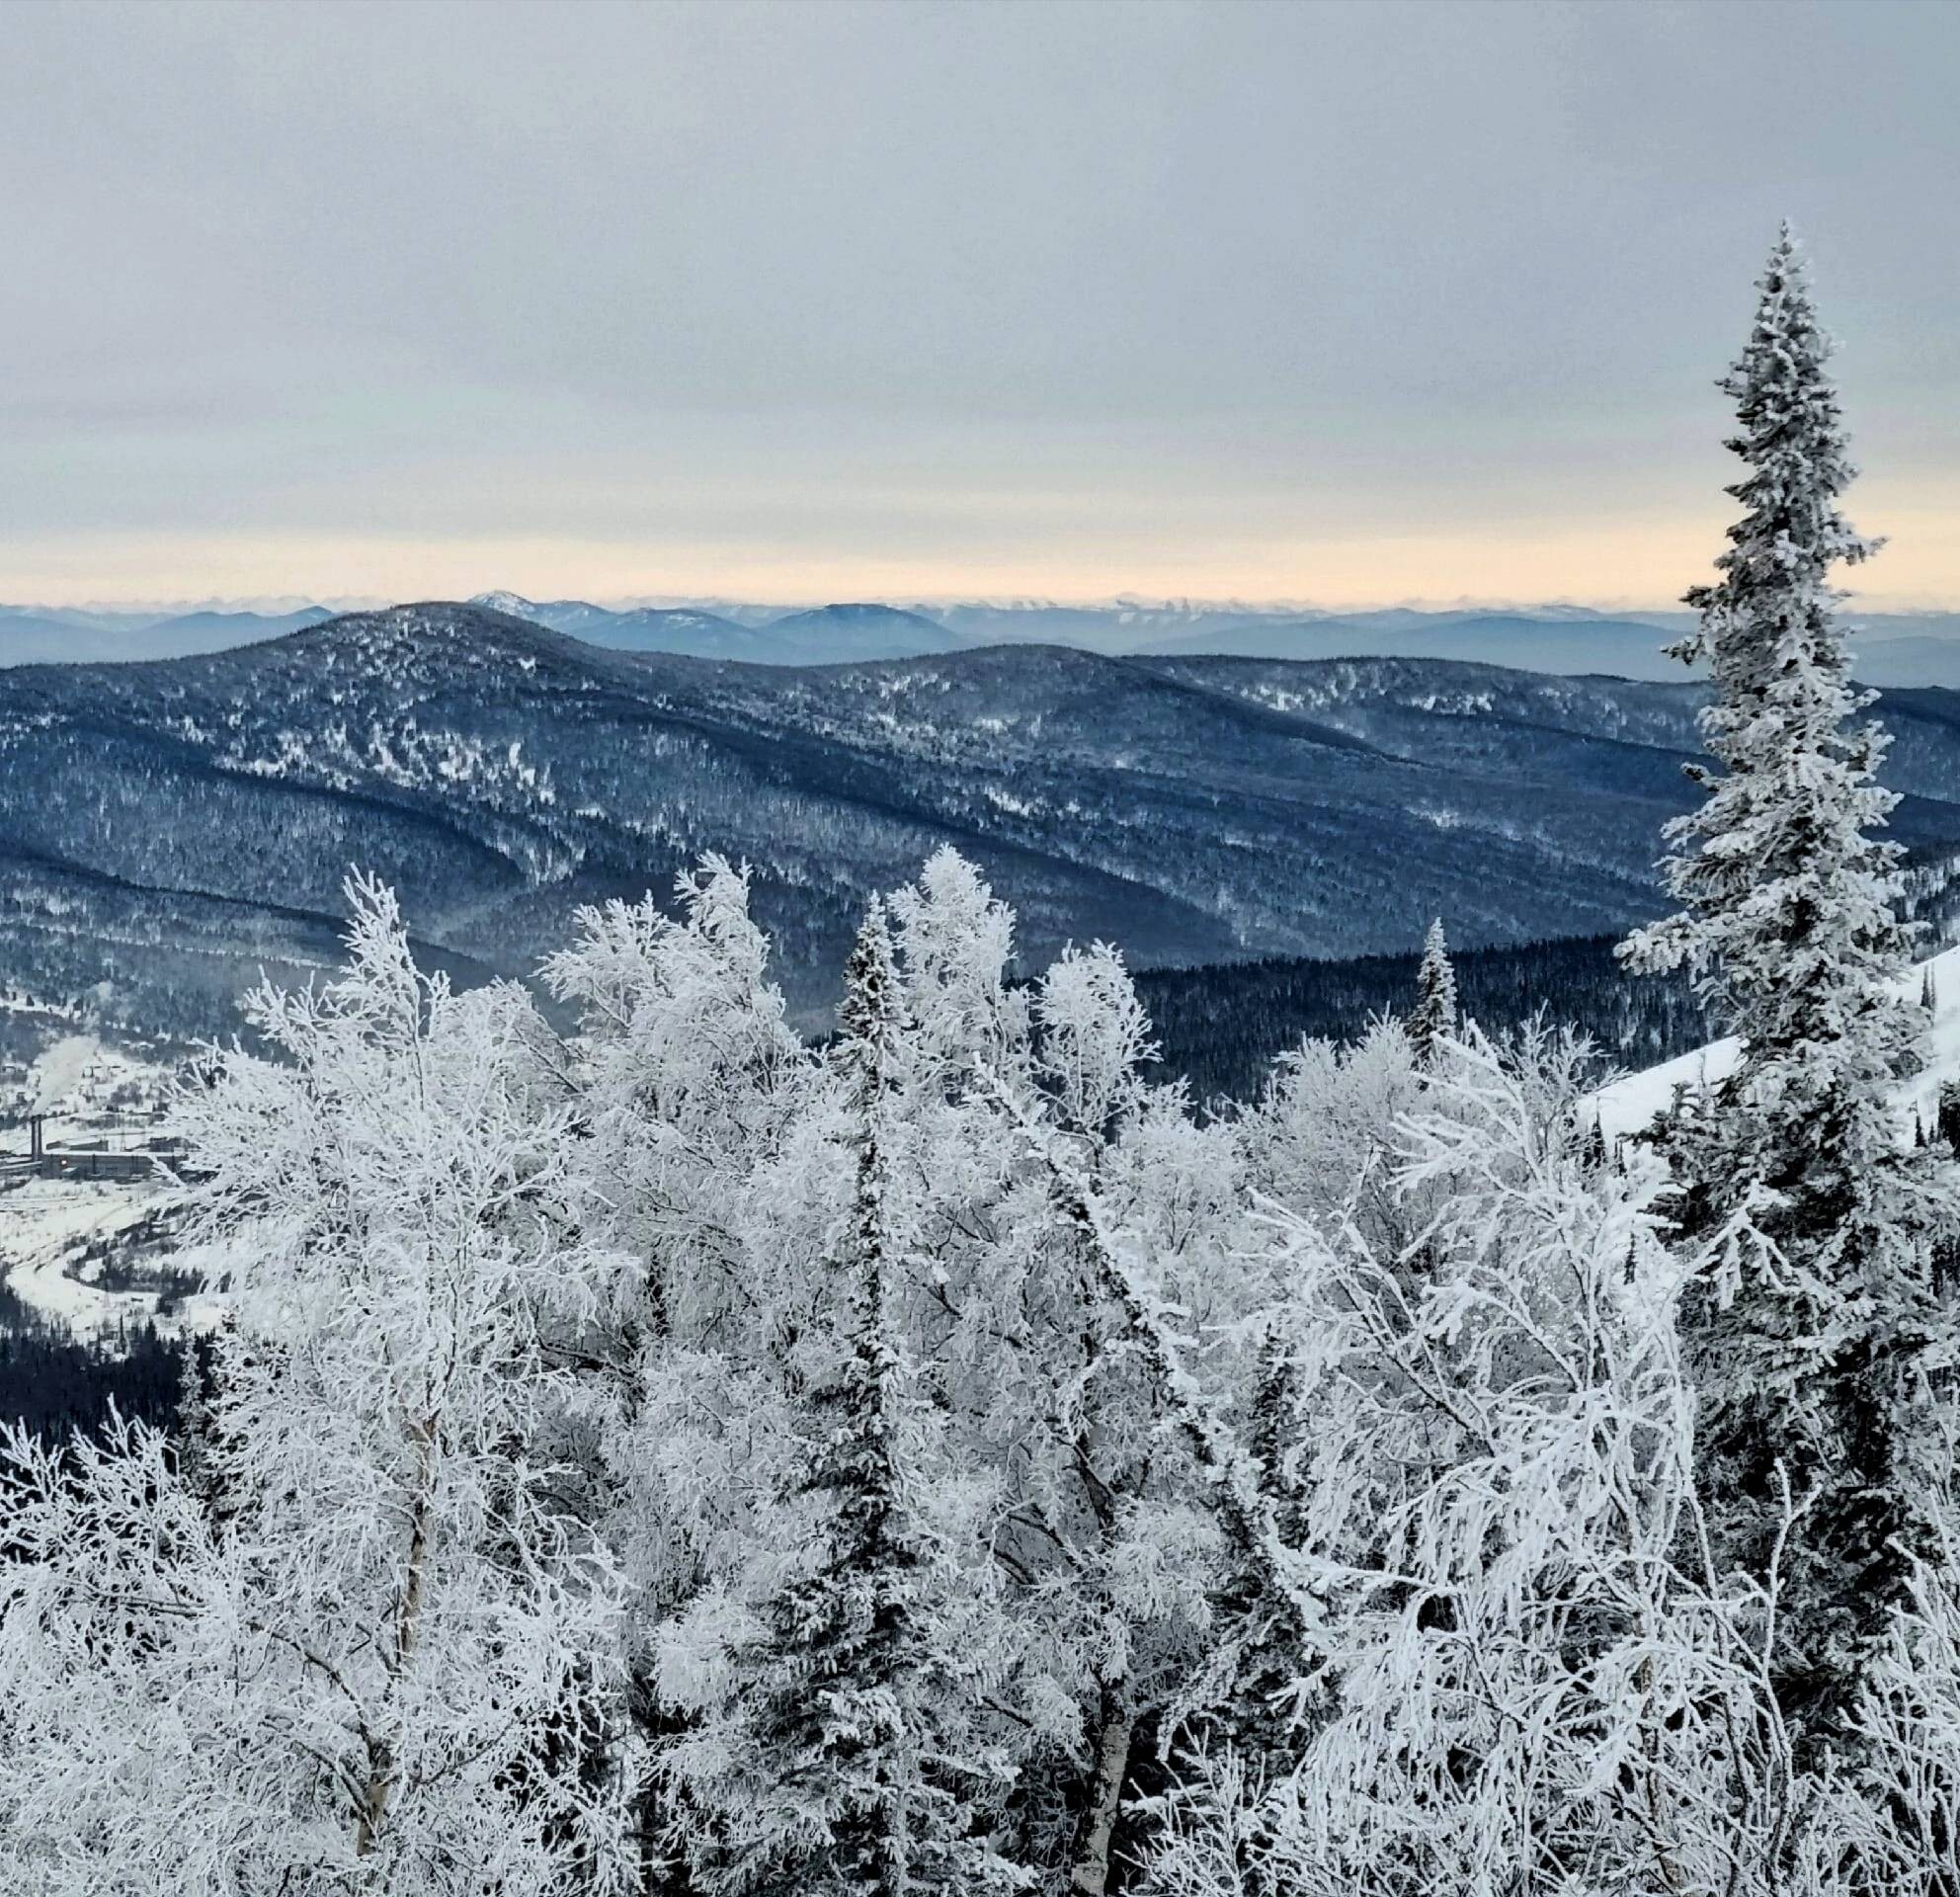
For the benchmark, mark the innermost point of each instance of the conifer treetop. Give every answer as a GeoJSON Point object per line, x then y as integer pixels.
{"type": "Point", "coordinates": [1790, 919]}
{"type": "Point", "coordinates": [1434, 1016]}
{"type": "Point", "coordinates": [1789, 898]}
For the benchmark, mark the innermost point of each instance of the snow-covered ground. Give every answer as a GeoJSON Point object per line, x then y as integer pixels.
{"type": "Point", "coordinates": [1630, 1105]}
{"type": "Point", "coordinates": [57, 1235]}
{"type": "Point", "coordinates": [49, 1228]}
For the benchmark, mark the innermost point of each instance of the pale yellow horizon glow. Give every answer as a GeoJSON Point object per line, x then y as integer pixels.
{"type": "Point", "coordinates": [1626, 562]}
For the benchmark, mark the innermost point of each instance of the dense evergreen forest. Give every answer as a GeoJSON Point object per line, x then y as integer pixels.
{"type": "Point", "coordinates": [54, 1383]}
{"type": "Point", "coordinates": [1220, 1028]}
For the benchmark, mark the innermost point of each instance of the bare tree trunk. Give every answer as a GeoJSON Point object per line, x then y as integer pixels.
{"type": "Point", "coordinates": [375, 1792]}
{"type": "Point", "coordinates": [380, 1786]}
{"type": "Point", "coordinates": [1112, 1757]}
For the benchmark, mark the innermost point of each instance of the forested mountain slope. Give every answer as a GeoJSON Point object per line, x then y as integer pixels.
{"type": "Point", "coordinates": [166, 828]}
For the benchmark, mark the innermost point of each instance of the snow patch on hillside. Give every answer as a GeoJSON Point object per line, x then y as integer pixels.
{"type": "Point", "coordinates": [1631, 1105]}
{"type": "Point", "coordinates": [55, 1237]}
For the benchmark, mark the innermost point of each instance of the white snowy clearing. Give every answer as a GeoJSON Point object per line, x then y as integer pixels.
{"type": "Point", "coordinates": [58, 1234]}
{"type": "Point", "coordinates": [1631, 1103]}
{"type": "Point", "coordinates": [48, 1227]}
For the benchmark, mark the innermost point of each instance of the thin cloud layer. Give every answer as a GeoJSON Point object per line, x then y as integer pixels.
{"type": "Point", "coordinates": [1341, 301]}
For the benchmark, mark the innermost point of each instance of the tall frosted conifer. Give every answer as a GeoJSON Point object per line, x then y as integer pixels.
{"type": "Point", "coordinates": [1434, 1018]}
{"type": "Point", "coordinates": [1809, 1358]}
{"type": "Point", "coordinates": [850, 1779]}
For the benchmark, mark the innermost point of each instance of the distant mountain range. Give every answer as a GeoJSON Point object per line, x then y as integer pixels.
{"type": "Point", "coordinates": [1619, 648]}
{"type": "Point", "coordinates": [1895, 649]}
{"type": "Point", "coordinates": [1891, 649]}
{"type": "Point", "coordinates": [842, 634]}
{"type": "Point", "coordinates": [167, 829]}
{"type": "Point", "coordinates": [37, 636]}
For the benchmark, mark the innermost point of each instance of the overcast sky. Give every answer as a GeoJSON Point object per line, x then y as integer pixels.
{"type": "Point", "coordinates": [1336, 302]}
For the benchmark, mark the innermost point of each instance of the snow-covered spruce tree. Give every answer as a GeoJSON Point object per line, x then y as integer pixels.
{"type": "Point", "coordinates": [1807, 1361]}
{"type": "Point", "coordinates": [834, 1772]}
{"type": "Point", "coordinates": [1433, 1017]}
{"type": "Point", "coordinates": [371, 1644]}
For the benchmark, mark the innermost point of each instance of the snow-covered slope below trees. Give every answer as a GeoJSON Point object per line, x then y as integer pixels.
{"type": "Point", "coordinates": [87, 1257]}
{"type": "Point", "coordinates": [1631, 1103]}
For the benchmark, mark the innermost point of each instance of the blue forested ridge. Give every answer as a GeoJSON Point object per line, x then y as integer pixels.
{"type": "Point", "coordinates": [168, 828]}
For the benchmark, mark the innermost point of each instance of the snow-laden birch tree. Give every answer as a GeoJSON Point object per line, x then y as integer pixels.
{"type": "Point", "coordinates": [703, 1155]}
{"type": "Point", "coordinates": [374, 1646]}
{"type": "Point", "coordinates": [1525, 1676]}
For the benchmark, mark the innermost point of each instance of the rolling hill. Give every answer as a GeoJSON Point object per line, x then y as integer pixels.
{"type": "Point", "coordinates": [167, 828]}
{"type": "Point", "coordinates": [1894, 649]}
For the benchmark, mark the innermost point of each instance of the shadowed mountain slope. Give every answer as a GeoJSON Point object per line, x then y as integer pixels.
{"type": "Point", "coordinates": [193, 818]}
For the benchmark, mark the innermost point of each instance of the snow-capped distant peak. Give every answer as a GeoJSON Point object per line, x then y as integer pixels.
{"type": "Point", "coordinates": [515, 604]}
